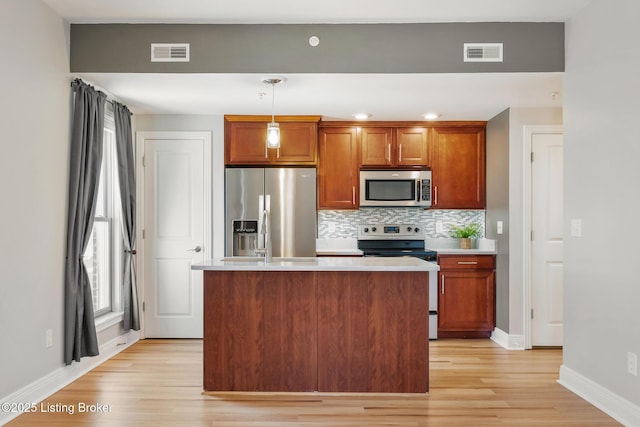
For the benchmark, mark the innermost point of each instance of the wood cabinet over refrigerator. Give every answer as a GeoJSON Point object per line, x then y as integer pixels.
{"type": "Point", "coordinates": [245, 139]}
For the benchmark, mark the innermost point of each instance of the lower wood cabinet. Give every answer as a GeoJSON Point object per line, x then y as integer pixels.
{"type": "Point", "coordinates": [466, 297]}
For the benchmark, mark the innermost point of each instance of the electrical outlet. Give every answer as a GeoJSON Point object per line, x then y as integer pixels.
{"type": "Point", "coordinates": [499, 227]}
{"type": "Point", "coordinates": [439, 227]}
{"type": "Point", "coordinates": [632, 363]}
{"type": "Point", "coordinates": [49, 338]}
{"type": "Point", "coordinates": [332, 227]}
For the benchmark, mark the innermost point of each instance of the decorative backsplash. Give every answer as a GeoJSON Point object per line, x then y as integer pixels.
{"type": "Point", "coordinates": [343, 224]}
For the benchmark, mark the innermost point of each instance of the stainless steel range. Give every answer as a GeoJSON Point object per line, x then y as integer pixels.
{"type": "Point", "coordinates": [393, 240]}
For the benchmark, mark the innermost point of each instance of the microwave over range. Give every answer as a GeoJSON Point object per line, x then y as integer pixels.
{"type": "Point", "coordinates": [393, 187]}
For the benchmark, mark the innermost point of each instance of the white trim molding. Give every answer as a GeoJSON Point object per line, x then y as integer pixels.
{"type": "Point", "coordinates": [44, 387]}
{"type": "Point", "coordinates": [510, 342]}
{"type": "Point", "coordinates": [602, 398]}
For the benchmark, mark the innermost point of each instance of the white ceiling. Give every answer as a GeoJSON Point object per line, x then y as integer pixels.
{"type": "Point", "coordinates": [334, 96]}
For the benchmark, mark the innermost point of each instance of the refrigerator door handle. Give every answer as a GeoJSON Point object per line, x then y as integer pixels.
{"type": "Point", "coordinates": [264, 202]}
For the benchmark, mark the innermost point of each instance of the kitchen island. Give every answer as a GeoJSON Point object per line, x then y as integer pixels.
{"type": "Point", "coordinates": [316, 324]}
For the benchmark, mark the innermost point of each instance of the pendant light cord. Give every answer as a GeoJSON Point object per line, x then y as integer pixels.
{"type": "Point", "coordinates": [273, 102]}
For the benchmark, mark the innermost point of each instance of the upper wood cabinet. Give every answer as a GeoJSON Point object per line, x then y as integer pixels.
{"type": "Point", "coordinates": [338, 171]}
{"type": "Point", "coordinates": [412, 146]}
{"type": "Point", "coordinates": [394, 147]}
{"type": "Point", "coordinates": [246, 140]}
{"type": "Point", "coordinates": [458, 167]}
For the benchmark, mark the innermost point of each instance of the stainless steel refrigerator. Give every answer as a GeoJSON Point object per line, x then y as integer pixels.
{"type": "Point", "coordinates": [289, 194]}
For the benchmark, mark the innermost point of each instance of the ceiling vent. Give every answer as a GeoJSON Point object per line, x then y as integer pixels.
{"type": "Point", "coordinates": [483, 52]}
{"type": "Point", "coordinates": [169, 52]}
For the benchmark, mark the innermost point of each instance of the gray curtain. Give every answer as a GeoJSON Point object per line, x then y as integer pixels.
{"type": "Point", "coordinates": [126, 175]}
{"type": "Point", "coordinates": [85, 161]}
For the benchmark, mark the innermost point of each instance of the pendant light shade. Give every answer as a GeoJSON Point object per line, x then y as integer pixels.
{"type": "Point", "coordinates": [273, 128]}
{"type": "Point", "coordinates": [273, 135]}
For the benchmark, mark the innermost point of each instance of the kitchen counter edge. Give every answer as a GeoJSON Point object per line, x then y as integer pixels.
{"type": "Point", "coordinates": [322, 264]}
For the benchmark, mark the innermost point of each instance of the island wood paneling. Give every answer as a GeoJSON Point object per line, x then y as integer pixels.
{"type": "Point", "coordinates": [343, 338]}
{"type": "Point", "coordinates": [340, 331]}
{"type": "Point", "coordinates": [259, 331]}
{"type": "Point", "coordinates": [372, 333]}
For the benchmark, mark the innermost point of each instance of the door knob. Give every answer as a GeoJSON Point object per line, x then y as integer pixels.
{"type": "Point", "coordinates": [196, 249]}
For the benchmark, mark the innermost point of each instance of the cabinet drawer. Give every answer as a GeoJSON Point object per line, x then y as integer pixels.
{"type": "Point", "coordinates": [466, 262]}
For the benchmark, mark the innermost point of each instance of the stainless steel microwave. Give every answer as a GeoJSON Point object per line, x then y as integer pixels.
{"type": "Point", "coordinates": [395, 188]}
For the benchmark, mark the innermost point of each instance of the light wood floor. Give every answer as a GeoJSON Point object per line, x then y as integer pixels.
{"type": "Point", "coordinates": [473, 383]}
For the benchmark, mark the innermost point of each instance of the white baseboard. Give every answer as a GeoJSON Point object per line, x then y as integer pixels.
{"type": "Point", "coordinates": [44, 387]}
{"type": "Point", "coordinates": [613, 405]}
{"type": "Point", "coordinates": [510, 342]}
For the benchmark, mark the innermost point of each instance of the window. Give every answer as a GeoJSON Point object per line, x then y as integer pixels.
{"type": "Point", "coordinates": [103, 256]}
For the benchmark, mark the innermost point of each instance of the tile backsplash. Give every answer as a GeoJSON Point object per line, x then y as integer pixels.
{"type": "Point", "coordinates": [343, 224]}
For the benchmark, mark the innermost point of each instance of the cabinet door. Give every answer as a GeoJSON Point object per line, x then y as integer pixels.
{"type": "Point", "coordinates": [338, 168]}
{"type": "Point", "coordinates": [298, 144]}
{"type": "Point", "coordinates": [459, 168]}
{"type": "Point", "coordinates": [377, 147]}
{"type": "Point", "coordinates": [412, 147]}
{"type": "Point", "coordinates": [466, 303]}
{"type": "Point", "coordinates": [246, 143]}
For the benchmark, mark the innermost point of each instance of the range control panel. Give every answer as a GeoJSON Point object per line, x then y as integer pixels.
{"type": "Point", "coordinates": [390, 231]}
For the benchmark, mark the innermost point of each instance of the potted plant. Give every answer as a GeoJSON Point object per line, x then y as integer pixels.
{"type": "Point", "coordinates": [465, 234]}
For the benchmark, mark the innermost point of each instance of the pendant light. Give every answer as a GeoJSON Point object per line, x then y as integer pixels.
{"type": "Point", "coordinates": [273, 128]}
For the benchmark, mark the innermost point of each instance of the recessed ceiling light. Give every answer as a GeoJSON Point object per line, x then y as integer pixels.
{"type": "Point", "coordinates": [361, 116]}
{"type": "Point", "coordinates": [431, 116]}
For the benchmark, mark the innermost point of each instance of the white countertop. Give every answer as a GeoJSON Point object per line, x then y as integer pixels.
{"type": "Point", "coordinates": [448, 246]}
{"type": "Point", "coordinates": [317, 264]}
{"type": "Point", "coordinates": [336, 247]}
{"type": "Point", "coordinates": [444, 246]}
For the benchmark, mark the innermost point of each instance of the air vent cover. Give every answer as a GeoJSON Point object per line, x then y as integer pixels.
{"type": "Point", "coordinates": [483, 52]}
{"type": "Point", "coordinates": [169, 52]}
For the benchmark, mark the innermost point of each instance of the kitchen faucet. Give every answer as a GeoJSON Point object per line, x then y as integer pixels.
{"type": "Point", "coordinates": [265, 230]}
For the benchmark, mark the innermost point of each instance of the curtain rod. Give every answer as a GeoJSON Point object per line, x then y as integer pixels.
{"type": "Point", "coordinates": [109, 101]}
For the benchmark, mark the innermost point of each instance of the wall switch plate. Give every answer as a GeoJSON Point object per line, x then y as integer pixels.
{"type": "Point", "coordinates": [632, 364]}
{"type": "Point", "coordinates": [499, 227]}
{"type": "Point", "coordinates": [576, 227]}
{"type": "Point", "coordinates": [49, 338]}
{"type": "Point", "coordinates": [439, 227]}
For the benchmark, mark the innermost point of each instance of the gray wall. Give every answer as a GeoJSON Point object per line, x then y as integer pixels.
{"type": "Point", "coordinates": [344, 48]}
{"type": "Point", "coordinates": [601, 281]}
{"type": "Point", "coordinates": [34, 118]}
{"type": "Point", "coordinates": [497, 181]}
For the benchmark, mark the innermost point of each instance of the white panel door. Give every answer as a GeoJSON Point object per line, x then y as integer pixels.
{"type": "Point", "coordinates": [174, 236]}
{"type": "Point", "coordinates": [546, 247]}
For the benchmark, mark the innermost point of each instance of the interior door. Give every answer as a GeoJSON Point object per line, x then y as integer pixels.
{"type": "Point", "coordinates": [175, 218]}
{"type": "Point", "coordinates": [546, 246]}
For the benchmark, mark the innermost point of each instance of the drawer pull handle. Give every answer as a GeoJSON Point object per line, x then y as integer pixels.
{"type": "Point", "coordinates": [467, 262]}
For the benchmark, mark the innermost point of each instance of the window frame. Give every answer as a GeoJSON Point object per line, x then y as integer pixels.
{"type": "Point", "coordinates": [108, 211]}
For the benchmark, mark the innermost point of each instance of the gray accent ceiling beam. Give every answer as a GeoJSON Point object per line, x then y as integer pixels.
{"type": "Point", "coordinates": [343, 48]}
